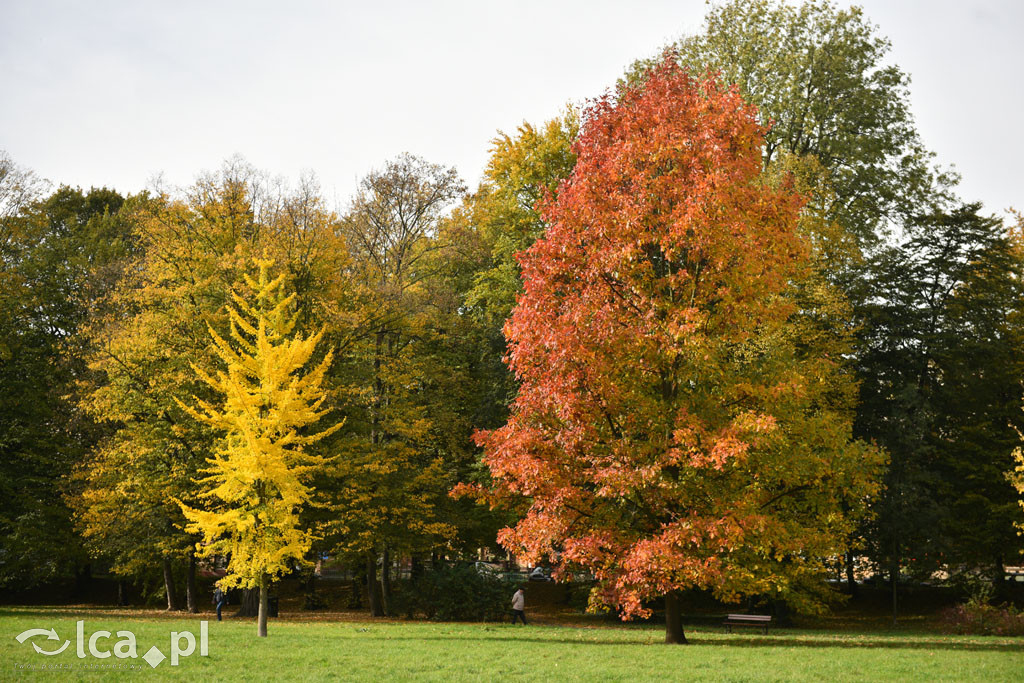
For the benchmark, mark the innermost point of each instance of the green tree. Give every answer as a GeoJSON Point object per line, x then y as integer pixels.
{"type": "Point", "coordinates": [820, 78]}
{"type": "Point", "coordinates": [504, 214]}
{"type": "Point", "coordinates": [941, 364]}
{"type": "Point", "coordinates": [58, 257]}
{"type": "Point", "coordinates": [390, 477]}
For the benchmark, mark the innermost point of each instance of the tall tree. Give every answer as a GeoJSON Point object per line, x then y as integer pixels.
{"type": "Point", "coordinates": [671, 430]}
{"type": "Point", "coordinates": [821, 80]}
{"type": "Point", "coordinates": [193, 248]}
{"type": "Point", "coordinates": [257, 479]}
{"type": "Point", "coordinates": [142, 340]}
{"type": "Point", "coordinates": [58, 257]}
{"type": "Point", "coordinates": [391, 474]}
{"type": "Point", "coordinates": [504, 212]}
{"type": "Point", "coordinates": [941, 367]}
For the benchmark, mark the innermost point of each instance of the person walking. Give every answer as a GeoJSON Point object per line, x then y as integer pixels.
{"type": "Point", "coordinates": [220, 598]}
{"type": "Point", "coordinates": [518, 606]}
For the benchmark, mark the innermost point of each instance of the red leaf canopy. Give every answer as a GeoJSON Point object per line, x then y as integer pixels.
{"type": "Point", "coordinates": [667, 431]}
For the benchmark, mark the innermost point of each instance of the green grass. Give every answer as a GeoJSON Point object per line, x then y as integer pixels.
{"type": "Point", "coordinates": [388, 651]}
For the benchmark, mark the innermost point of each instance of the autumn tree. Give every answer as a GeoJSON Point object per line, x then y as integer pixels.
{"type": "Point", "coordinates": [478, 280]}
{"type": "Point", "coordinates": [390, 479]}
{"type": "Point", "coordinates": [825, 89]}
{"type": "Point", "coordinates": [669, 431]}
{"type": "Point", "coordinates": [193, 247]}
{"type": "Point", "coordinates": [152, 325]}
{"type": "Point", "coordinates": [256, 481]}
{"type": "Point", "coordinates": [838, 115]}
{"type": "Point", "coordinates": [503, 213]}
{"type": "Point", "coordinates": [1016, 477]}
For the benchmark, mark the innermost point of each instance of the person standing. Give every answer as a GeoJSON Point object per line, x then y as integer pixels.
{"type": "Point", "coordinates": [518, 606]}
{"type": "Point", "coordinates": [220, 598]}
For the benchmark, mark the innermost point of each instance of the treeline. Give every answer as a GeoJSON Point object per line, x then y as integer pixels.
{"type": "Point", "coordinates": [107, 301]}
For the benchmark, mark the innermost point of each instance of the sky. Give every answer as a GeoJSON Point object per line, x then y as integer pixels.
{"type": "Point", "coordinates": [114, 93]}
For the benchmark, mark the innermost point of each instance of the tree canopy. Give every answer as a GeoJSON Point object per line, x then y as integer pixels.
{"type": "Point", "coordinates": [668, 433]}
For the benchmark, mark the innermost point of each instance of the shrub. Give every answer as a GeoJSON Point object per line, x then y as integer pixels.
{"type": "Point", "coordinates": [314, 601]}
{"type": "Point", "coordinates": [981, 619]}
{"type": "Point", "coordinates": [460, 593]}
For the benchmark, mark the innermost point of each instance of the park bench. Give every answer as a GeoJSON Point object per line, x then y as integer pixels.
{"type": "Point", "coordinates": [758, 620]}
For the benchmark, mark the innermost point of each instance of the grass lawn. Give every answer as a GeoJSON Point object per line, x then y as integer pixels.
{"type": "Point", "coordinates": [304, 649]}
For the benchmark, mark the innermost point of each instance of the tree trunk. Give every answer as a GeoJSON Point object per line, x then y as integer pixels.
{"type": "Point", "coordinates": [674, 620]}
{"type": "Point", "coordinates": [999, 580]}
{"type": "Point", "coordinates": [371, 586]}
{"type": "Point", "coordinates": [250, 606]}
{"type": "Point", "coordinates": [851, 581]}
{"type": "Point", "coordinates": [173, 600]}
{"type": "Point", "coordinates": [261, 620]}
{"type": "Point", "coordinates": [122, 594]}
{"type": "Point", "coordinates": [415, 567]}
{"type": "Point", "coordinates": [83, 581]}
{"type": "Point", "coordinates": [191, 590]}
{"type": "Point", "coordinates": [385, 583]}
{"type": "Point", "coordinates": [894, 580]}
{"type": "Point", "coordinates": [355, 600]}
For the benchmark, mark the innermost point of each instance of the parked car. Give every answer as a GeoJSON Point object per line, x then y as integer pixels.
{"type": "Point", "coordinates": [487, 568]}
{"type": "Point", "coordinates": [540, 574]}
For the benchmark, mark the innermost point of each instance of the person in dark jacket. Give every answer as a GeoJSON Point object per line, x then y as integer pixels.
{"type": "Point", "coordinates": [220, 598]}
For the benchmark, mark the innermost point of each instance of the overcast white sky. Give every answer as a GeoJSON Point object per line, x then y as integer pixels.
{"type": "Point", "coordinates": [114, 92]}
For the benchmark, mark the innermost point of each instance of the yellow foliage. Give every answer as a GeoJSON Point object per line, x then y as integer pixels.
{"type": "Point", "coordinates": [256, 481]}
{"type": "Point", "coordinates": [1016, 477]}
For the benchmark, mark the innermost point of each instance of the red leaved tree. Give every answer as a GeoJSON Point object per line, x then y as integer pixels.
{"type": "Point", "coordinates": [673, 428]}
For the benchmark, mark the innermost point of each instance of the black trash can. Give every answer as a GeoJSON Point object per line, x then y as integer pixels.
{"type": "Point", "coordinates": [272, 607]}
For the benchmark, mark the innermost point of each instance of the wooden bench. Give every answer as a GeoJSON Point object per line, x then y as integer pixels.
{"type": "Point", "coordinates": [757, 620]}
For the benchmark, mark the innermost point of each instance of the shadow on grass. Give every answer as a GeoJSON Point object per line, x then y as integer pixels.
{"type": "Point", "coordinates": [782, 641]}
{"type": "Point", "coordinates": [491, 633]}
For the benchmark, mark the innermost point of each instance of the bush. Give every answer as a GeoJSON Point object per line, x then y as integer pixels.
{"type": "Point", "coordinates": [978, 618]}
{"type": "Point", "coordinates": [459, 593]}
{"type": "Point", "coordinates": [314, 601]}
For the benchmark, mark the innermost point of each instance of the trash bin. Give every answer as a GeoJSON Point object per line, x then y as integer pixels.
{"type": "Point", "coordinates": [272, 607]}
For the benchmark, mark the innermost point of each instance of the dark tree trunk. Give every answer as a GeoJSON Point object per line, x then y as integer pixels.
{"type": "Point", "coordinates": [371, 586]}
{"type": "Point", "coordinates": [261, 620]}
{"type": "Point", "coordinates": [355, 600]}
{"type": "Point", "coordinates": [385, 583]}
{"type": "Point", "coordinates": [191, 590]}
{"type": "Point", "coordinates": [894, 581]}
{"type": "Point", "coordinates": [83, 581]}
{"type": "Point", "coordinates": [999, 579]}
{"type": "Point", "coordinates": [415, 567]}
{"type": "Point", "coordinates": [122, 593]}
{"type": "Point", "coordinates": [674, 620]}
{"type": "Point", "coordinates": [173, 599]}
{"type": "Point", "coordinates": [250, 606]}
{"type": "Point", "coordinates": [851, 581]}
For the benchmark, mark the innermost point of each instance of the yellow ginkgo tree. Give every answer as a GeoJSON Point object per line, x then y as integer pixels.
{"type": "Point", "coordinates": [258, 479]}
